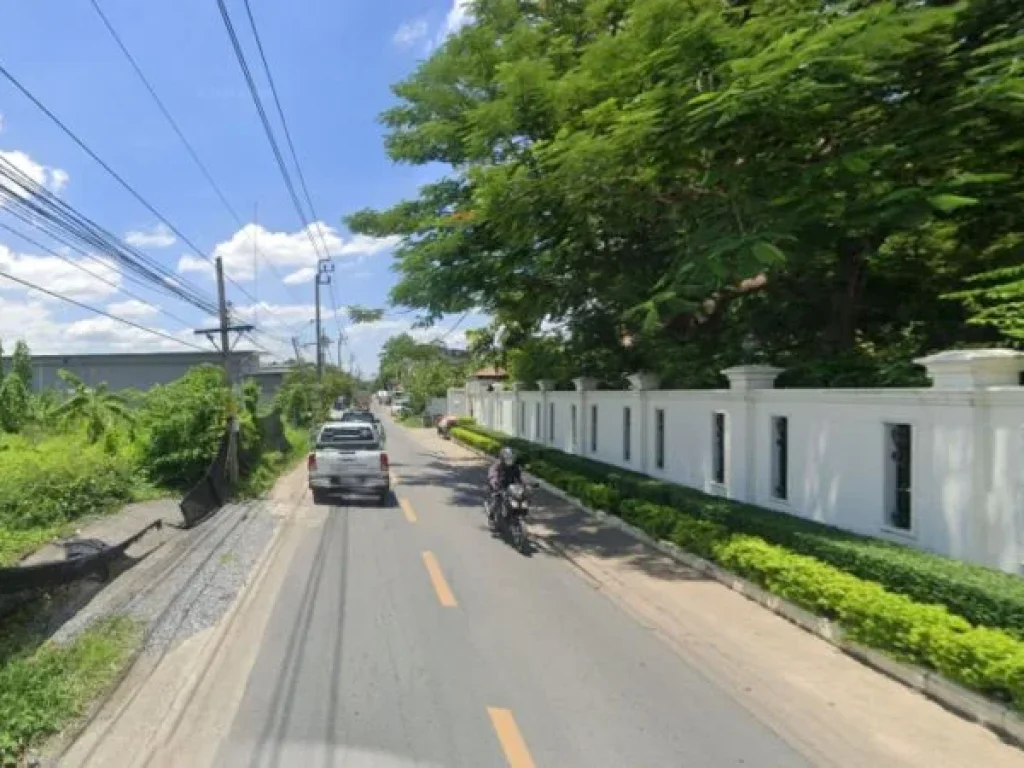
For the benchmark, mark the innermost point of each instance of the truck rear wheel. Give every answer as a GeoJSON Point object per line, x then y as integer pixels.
{"type": "Point", "coordinates": [319, 497]}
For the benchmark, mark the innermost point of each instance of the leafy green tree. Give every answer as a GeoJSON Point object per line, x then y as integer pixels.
{"type": "Point", "coordinates": [251, 397]}
{"type": "Point", "coordinates": [21, 364]}
{"type": "Point", "coordinates": [14, 404]}
{"type": "Point", "coordinates": [98, 409]}
{"type": "Point", "coordinates": [184, 423]}
{"type": "Point", "coordinates": [304, 401]}
{"type": "Point", "coordinates": [686, 185]}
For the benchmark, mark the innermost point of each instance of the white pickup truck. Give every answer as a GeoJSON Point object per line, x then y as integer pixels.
{"type": "Point", "coordinates": [348, 458]}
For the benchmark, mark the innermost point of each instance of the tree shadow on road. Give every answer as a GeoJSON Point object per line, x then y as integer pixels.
{"type": "Point", "coordinates": [569, 530]}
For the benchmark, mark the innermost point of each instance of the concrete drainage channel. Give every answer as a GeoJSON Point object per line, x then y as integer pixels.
{"type": "Point", "coordinates": [181, 590]}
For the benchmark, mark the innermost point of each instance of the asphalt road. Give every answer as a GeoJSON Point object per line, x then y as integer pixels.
{"type": "Point", "coordinates": [408, 636]}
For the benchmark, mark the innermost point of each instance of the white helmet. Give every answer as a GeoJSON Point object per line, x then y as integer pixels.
{"type": "Point", "coordinates": [507, 456]}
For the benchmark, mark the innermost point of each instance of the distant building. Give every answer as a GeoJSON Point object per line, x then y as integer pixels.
{"type": "Point", "coordinates": [133, 370]}
{"type": "Point", "coordinates": [270, 377]}
{"type": "Point", "coordinates": [485, 379]}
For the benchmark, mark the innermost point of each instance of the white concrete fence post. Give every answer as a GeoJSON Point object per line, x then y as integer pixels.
{"type": "Point", "coordinates": [641, 383]}
{"type": "Point", "coordinates": [583, 385]}
{"type": "Point", "coordinates": [545, 386]}
{"type": "Point", "coordinates": [992, 514]}
{"type": "Point", "coordinates": [742, 474]}
{"type": "Point", "coordinates": [517, 429]}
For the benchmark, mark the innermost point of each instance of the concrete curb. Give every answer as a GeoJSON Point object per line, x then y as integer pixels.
{"type": "Point", "coordinates": [969, 705]}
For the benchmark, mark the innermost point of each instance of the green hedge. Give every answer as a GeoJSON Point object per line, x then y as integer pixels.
{"type": "Point", "coordinates": [987, 660]}
{"type": "Point", "coordinates": [984, 659]}
{"type": "Point", "coordinates": [983, 596]}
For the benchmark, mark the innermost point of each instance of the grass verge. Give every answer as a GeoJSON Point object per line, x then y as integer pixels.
{"type": "Point", "coordinates": [44, 686]}
{"type": "Point", "coordinates": [766, 548]}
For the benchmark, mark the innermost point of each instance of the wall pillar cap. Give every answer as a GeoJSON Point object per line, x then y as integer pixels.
{"type": "Point", "coordinates": [973, 368]}
{"type": "Point", "coordinates": [748, 377]}
{"type": "Point", "coordinates": [585, 384]}
{"type": "Point", "coordinates": [643, 381]}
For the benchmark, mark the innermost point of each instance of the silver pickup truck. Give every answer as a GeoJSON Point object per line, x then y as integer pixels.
{"type": "Point", "coordinates": [348, 458]}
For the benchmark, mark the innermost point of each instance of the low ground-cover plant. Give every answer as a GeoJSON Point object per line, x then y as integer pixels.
{"type": "Point", "coordinates": [48, 485]}
{"type": "Point", "coordinates": [983, 596]}
{"type": "Point", "coordinates": [43, 685]}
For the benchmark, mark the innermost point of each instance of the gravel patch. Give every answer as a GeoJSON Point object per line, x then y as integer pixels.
{"type": "Point", "coordinates": [201, 588]}
{"type": "Point", "coordinates": [189, 584]}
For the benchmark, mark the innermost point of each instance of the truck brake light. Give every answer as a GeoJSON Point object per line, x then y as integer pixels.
{"type": "Point", "coordinates": [311, 462]}
{"type": "Point", "coordinates": [383, 462]}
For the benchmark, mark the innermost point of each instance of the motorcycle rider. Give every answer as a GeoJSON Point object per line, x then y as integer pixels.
{"type": "Point", "coordinates": [503, 472]}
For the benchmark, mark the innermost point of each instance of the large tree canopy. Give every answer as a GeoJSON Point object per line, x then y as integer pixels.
{"type": "Point", "coordinates": [682, 184]}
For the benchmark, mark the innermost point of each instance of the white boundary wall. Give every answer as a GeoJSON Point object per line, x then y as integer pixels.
{"type": "Point", "coordinates": [966, 459]}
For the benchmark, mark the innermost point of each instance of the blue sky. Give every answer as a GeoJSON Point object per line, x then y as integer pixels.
{"type": "Point", "coordinates": [332, 63]}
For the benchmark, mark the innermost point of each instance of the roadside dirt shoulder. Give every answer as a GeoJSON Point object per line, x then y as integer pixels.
{"type": "Point", "coordinates": [186, 601]}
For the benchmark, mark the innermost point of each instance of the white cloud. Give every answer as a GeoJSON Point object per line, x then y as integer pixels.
{"type": "Point", "coordinates": [131, 308]}
{"type": "Point", "coordinates": [53, 179]}
{"type": "Point", "coordinates": [289, 250]}
{"type": "Point", "coordinates": [410, 32]}
{"type": "Point", "coordinates": [300, 276]}
{"type": "Point", "coordinates": [40, 324]}
{"type": "Point", "coordinates": [84, 282]}
{"type": "Point", "coordinates": [458, 16]}
{"type": "Point", "coordinates": [189, 263]}
{"type": "Point", "coordinates": [160, 236]}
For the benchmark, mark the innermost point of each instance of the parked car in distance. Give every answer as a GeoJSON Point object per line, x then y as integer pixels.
{"type": "Point", "coordinates": [354, 416]}
{"type": "Point", "coordinates": [348, 458]}
{"type": "Point", "coordinates": [338, 408]}
{"type": "Point", "coordinates": [400, 407]}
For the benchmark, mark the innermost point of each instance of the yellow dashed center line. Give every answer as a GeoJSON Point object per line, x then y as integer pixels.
{"type": "Point", "coordinates": [511, 739]}
{"type": "Point", "coordinates": [444, 592]}
{"type": "Point", "coordinates": [407, 510]}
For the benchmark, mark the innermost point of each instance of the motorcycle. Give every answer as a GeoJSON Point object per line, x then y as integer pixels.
{"type": "Point", "coordinates": [444, 427]}
{"type": "Point", "coordinates": [506, 513]}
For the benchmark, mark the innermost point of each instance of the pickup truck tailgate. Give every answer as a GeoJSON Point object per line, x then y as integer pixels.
{"type": "Point", "coordinates": [340, 461]}
{"type": "Point", "coordinates": [348, 456]}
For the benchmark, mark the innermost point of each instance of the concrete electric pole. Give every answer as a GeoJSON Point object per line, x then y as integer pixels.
{"type": "Point", "coordinates": [223, 332]}
{"type": "Point", "coordinates": [324, 268]}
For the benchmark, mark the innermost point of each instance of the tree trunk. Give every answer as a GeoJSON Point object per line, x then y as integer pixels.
{"type": "Point", "coordinates": [847, 298]}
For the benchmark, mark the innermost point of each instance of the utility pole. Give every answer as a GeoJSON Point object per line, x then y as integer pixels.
{"type": "Point", "coordinates": [223, 332]}
{"type": "Point", "coordinates": [324, 268]}
{"type": "Point", "coordinates": [222, 305]}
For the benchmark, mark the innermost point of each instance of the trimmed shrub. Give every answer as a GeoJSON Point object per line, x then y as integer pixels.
{"type": "Point", "coordinates": [990, 661]}
{"type": "Point", "coordinates": [983, 596]}
{"type": "Point", "coordinates": [987, 660]}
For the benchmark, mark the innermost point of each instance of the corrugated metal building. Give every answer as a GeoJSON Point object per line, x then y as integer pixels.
{"type": "Point", "coordinates": [132, 370]}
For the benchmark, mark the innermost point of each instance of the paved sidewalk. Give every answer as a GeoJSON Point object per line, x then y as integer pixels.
{"type": "Point", "coordinates": [115, 528]}
{"type": "Point", "coordinates": [834, 709]}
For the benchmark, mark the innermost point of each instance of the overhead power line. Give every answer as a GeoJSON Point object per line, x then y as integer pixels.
{"type": "Point", "coordinates": [267, 129]}
{"type": "Point", "coordinates": [99, 277]}
{"type": "Point", "coordinates": [114, 174]}
{"type": "Point", "coordinates": [284, 126]}
{"type": "Point", "coordinates": [166, 112]}
{"type": "Point", "coordinates": [40, 208]}
{"type": "Point", "coordinates": [177, 130]}
{"type": "Point", "coordinates": [100, 312]}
